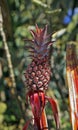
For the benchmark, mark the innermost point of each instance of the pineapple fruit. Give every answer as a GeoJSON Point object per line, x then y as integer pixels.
{"type": "Point", "coordinates": [37, 77]}
{"type": "Point", "coordinates": [38, 72]}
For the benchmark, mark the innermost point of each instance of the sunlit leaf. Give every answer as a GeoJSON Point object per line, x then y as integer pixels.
{"type": "Point", "coordinates": [53, 11]}
{"type": "Point", "coordinates": [40, 3]}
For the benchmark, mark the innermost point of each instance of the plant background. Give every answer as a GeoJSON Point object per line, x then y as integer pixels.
{"type": "Point", "coordinates": [19, 17]}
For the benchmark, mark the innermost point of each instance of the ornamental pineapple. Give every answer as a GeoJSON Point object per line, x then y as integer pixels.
{"type": "Point", "coordinates": [38, 72]}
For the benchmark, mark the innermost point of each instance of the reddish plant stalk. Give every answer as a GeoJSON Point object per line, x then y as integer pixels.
{"type": "Point", "coordinates": [72, 78]}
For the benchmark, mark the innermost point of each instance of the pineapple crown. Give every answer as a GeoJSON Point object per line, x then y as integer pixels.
{"type": "Point", "coordinates": [41, 43]}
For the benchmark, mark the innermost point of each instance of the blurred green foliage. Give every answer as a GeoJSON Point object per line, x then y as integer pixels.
{"type": "Point", "coordinates": [20, 16]}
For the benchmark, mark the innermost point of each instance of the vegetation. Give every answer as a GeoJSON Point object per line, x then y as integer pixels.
{"type": "Point", "coordinates": [19, 17]}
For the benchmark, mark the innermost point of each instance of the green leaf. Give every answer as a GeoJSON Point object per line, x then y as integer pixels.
{"type": "Point", "coordinates": [53, 11]}
{"type": "Point", "coordinates": [3, 107]}
{"type": "Point", "coordinates": [41, 3]}
{"type": "Point", "coordinates": [1, 118]}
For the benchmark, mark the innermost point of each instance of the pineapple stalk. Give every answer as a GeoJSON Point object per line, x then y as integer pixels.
{"type": "Point", "coordinates": [72, 78]}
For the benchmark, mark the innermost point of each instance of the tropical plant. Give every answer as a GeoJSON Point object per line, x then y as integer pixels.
{"type": "Point", "coordinates": [37, 78]}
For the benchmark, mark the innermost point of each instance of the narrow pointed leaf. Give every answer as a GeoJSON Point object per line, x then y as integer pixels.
{"type": "Point", "coordinates": [41, 3]}
{"type": "Point", "coordinates": [48, 44]}
{"type": "Point", "coordinates": [35, 104]}
{"type": "Point", "coordinates": [28, 40]}
{"type": "Point", "coordinates": [44, 32]}
{"type": "Point", "coordinates": [33, 33]}
{"type": "Point", "coordinates": [44, 120]}
{"type": "Point", "coordinates": [29, 47]}
{"type": "Point", "coordinates": [37, 101]}
{"type": "Point", "coordinates": [26, 125]}
{"type": "Point", "coordinates": [55, 111]}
